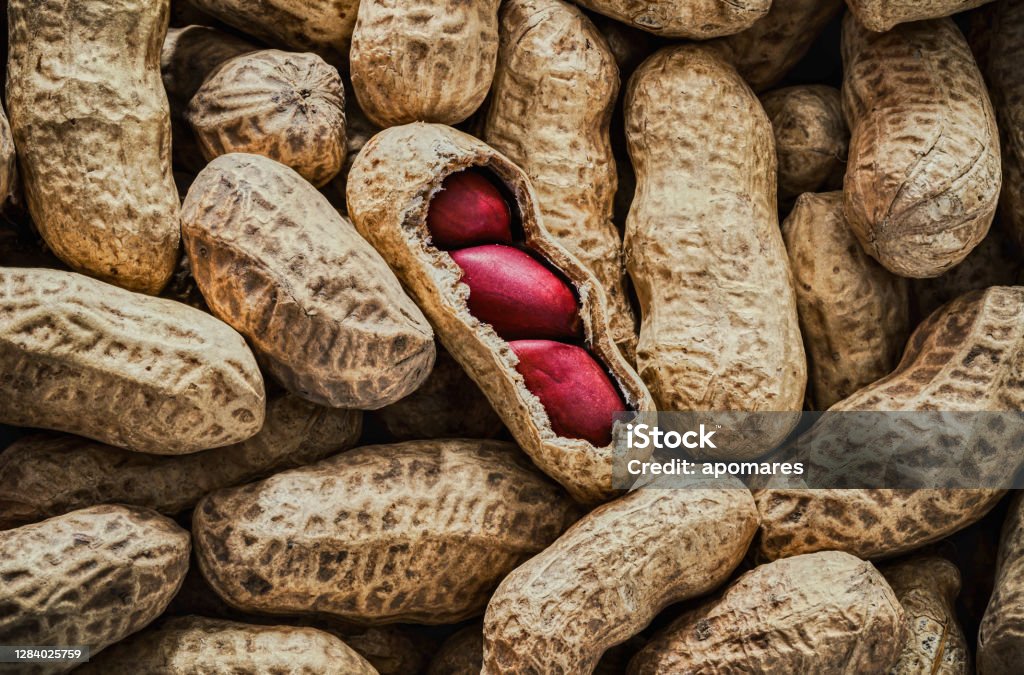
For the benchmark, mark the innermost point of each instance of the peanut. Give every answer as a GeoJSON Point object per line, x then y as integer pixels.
{"type": "Point", "coordinates": [811, 139]}
{"type": "Point", "coordinates": [1001, 636]}
{"type": "Point", "coordinates": [927, 587]}
{"type": "Point", "coordinates": [91, 578]}
{"type": "Point", "coordinates": [141, 373]}
{"type": "Point", "coordinates": [769, 49]}
{"type": "Point", "coordinates": [393, 517]}
{"type": "Point", "coordinates": [551, 106]}
{"type": "Point", "coordinates": [9, 182]}
{"type": "Point", "coordinates": [923, 178]}
{"type": "Point", "coordinates": [92, 127]}
{"type": "Point", "coordinates": [517, 295]}
{"type": "Point", "coordinates": [429, 60]}
{"type": "Point", "coordinates": [697, 19]}
{"type": "Point", "coordinates": [468, 211]}
{"type": "Point", "coordinates": [818, 613]}
{"type": "Point", "coordinates": [882, 15]}
{"type": "Point", "coordinates": [964, 357]}
{"type": "Point", "coordinates": [853, 312]}
{"type": "Point", "coordinates": [194, 644]}
{"type": "Point", "coordinates": [604, 579]}
{"type": "Point", "coordinates": [389, 192]}
{"type": "Point", "coordinates": [320, 26]}
{"type": "Point", "coordinates": [461, 654]}
{"type": "Point", "coordinates": [324, 313]}
{"type": "Point", "coordinates": [719, 327]}
{"type": "Point", "coordinates": [44, 475]}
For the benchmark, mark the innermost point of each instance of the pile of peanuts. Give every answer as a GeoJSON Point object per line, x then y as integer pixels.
{"type": "Point", "coordinates": [318, 319]}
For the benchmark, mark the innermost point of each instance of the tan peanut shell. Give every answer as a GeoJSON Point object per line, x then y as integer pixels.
{"type": "Point", "coordinates": [964, 357]}
{"type": "Point", "coordinates": [423, 60]}
{"type": "Point", "coordinates": [1001, 635]}
{"type": "Point", "coordinates": [285, 106]}
{"type": "Point", "coordinates": [854, 313]}
{"type": "Point", "coordinates": [923, 177]}
{"type": "Point", "coordinates": [389, 192]}
{"type": "Point", "coordinates": [44, 475]}
{"type": "Point", "coordinates": [190, 55]}
{"type": "Point", "coordinates": [447, 405]}
{"type": "Point", "coordinates": [825, 613]}
{"type": "Point", "coordinates": [764, 53]}
{"type": "Point", "coordinates": [9, 182]}
{"type": "Point", "coordinates": [551, 106]}
{"type": "Point", "coordinates": [320, 26]}
{"type": "Point", "coordinates": [392, 650]}
{"type": "Point", "coordinates": [195, 644]}
{"type": "Point", "coordinates": [141, 373]}
{"type": "Point", "coordinates": [1004, 40]}
{"type": "Point", "coordinates": [92, 126]}
{"type": "Point", "coordinates": [88, 578]}
{"type": "Point", "coordinates": [882, 15]}
{"type": "Point", "coordinates": [696, 19]}
{"type": "Point", "coordinates": [811, 139]}
{"type": "Point", "coordinates": [604, 579]}
{"type": "Point", "coordinates": [629, 46]}
{"type": "Point", "coordinates": [927, 587]}
{"type": "Point", "coordinates": [719, 328]}
{"type": "Point", "coordinates": [370, 535]}
{"type": "Point", "coordinates": [321, 309]}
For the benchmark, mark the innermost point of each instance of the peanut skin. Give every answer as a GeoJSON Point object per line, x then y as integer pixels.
{"type": "Point", "coordinates": [468, 211]}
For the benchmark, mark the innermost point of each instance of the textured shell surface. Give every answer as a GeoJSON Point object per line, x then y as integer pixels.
{"type": "Point", "coordinates": [321, 308]}
{"type": "Point", "coordinates": [90, 577]}
{"type": "Point", "coordinates": [190, 55]}
{"type": "Point", "coordinates": [923, 177]}
{"type": "Point", "coordinates": [604, 579]}
{"type": "Point", "coordinates": [285, 106]}
{"type": "Point", "coordinates": [696, 19]}
{"type": "Point", "coordinates": [44, 475]}
{"type": "Point", "coordinates": [92, 124]}
{"type": "Point", "coordinates": [389, 192]}
{"type": "Point", "coordinates": [369, 535]}
{"type": "Point", "coordinates": [551, 106]}
{"type": "Point", "coordinates": [882, 15]}
{"type": "Point", "coordinates": [138, 372]}
{"type": "Point", "coordinates": [1001, 635]}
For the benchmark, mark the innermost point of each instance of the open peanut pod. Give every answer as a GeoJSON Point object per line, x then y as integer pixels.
{"type": "Point", "coordinates": [390, 189]}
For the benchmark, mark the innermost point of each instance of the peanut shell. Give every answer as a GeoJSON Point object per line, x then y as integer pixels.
{"type": "Point", "coordinates": [389, 192]}
{"type": "Point", "coordinates": [696, 19]}
{"type": "Point", "coordinates": [1001, 635]}
{"type": "Point", "coordinates": [323, 312]}
{"type": "Point", "coordinates": [882, 15]}
{"type": "Point", "coordinates": [141, 373]}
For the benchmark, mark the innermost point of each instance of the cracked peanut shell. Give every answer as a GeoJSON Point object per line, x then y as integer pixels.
{"type": "Point", "coordinates": [923, 176]}
{"type": "Point", "coordinates": [91, 577]}
{"type": "Point", "coordinates": [370, 535]}
{"type": "Point", "coordinates": [142, 373]}
{"type": "Point", "coordinates": [612, 572]}
{"type": "Point", "coordinates": [389, 191]}
{"type": "Point", "coordinates": [44, 475]}
{"type": "Point", "coordinates": [324, 314]}
{"type": "Point", "coordinates": [551, 106]}
{"type": "Point", "coordinates": [92, 126]}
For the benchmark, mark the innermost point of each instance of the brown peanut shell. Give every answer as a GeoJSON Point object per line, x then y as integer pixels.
{"type": "Point", "coordinates": [195, 644]}
{"type": "Point", "coordinates": [719, 328]}
{"type": "Point", "coordinates": [285, 106]}
{"type": "Point", "coordinates": [1001, 636]}
{"type": "Point", "coordinates": [854, 313]}
{"type": "Point", "coordinates": [811, 139]}
{"type": "Point", "coordinates": [369, 536]}
{"type": "Point", "coordinates": [923, 177]}
{"type": "Point", "coordinates": [551, 106]}
{"type": "Point", "coordinates": [423, 60]}
{"type": "Point", "coordinates": [389, 192]}
{"type": "Point", "coordinates": [323, 27]}
{"type": "Point", "coordinates": [92, 126]}
{"type": "Point", "coordinates": [696, 19]}
{"type": "Point", "coordinates": [190, 55]}
{"type": "Point", "coordinates": [323, 312]}
{"type": "Point", "coordinates": [461, 654]}
{"type": "Point", "coordinates": [142, 373]}
{"type": "Point", "coordinates": [603, 580]}
{"type": "Point", "coordinates": [964, 357]}
{"type": "Point", "coordinates": [927, 587]}
{"type": "Point", "coordinates": [44, 475]}
{"type": "Point", "coordinates": [89, 578]}
{"type": "Point", "coordinates": [825, 613]}
{"type": "Point", "coordinates": [764, 53]}
{"type": "Point", "coordinates": [9, 182]}
{"type": "Point", "coordinates": [882, 15]}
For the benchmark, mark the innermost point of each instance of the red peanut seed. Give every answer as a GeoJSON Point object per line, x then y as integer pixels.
{"type": "Point", "coordinates": [468, 211]}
